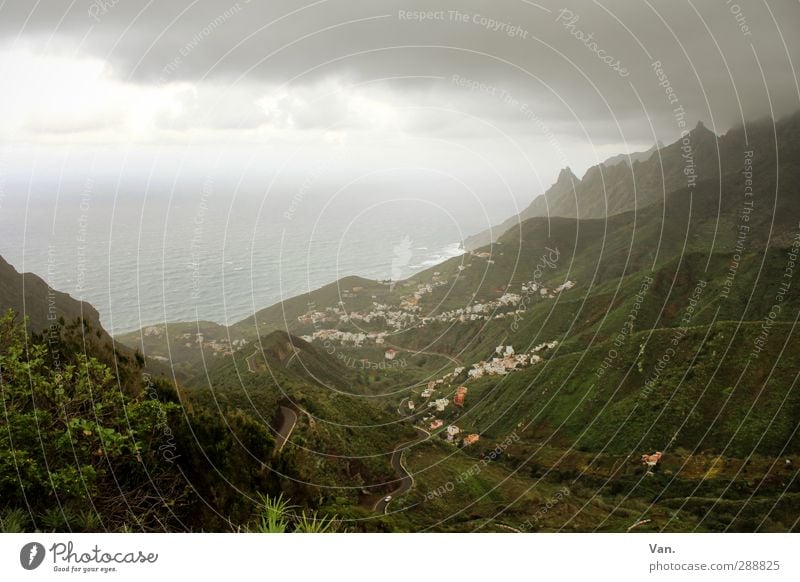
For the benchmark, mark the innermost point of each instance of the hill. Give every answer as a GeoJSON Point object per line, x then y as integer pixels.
{"type": "Point", "coordinates": [342, 439]}
{"type": "Point", "coordinates": [612, 187]}
{"type": "Point", "coordinates": [584, 343]}
{"type": "Point", "coordinates": [30, 296]}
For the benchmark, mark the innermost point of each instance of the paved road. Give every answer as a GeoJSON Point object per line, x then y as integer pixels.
{"type": "Point", "coordinates": [406, 479]}
{"type": "Point", "coordinates": [288, 423]}
{"type": "Point", "coordinates": [251, 363]}
{"type": "Point", "coordinates": [288, 416]}
{"type": "Point", "coordinates": [414, 351]}
{"type": "Point", "coordinates": [400, 409]}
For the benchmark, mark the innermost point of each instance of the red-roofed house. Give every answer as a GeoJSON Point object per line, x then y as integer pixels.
{"type": "Point", "coordinates": [471, 439]}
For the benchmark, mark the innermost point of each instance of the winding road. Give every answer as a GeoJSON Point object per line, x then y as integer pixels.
{"type": "Point", "coordinates": [289, 420]}
{"type": "Point", "coordinates": [288, 416]}
{"type": "Point", "coordinates": [251, 365]}
{"type": "Point", "coordinates": [406, 479]}
{"type": "Point", "coordinates": [400, 407]}
{"type": "Point", "coordinates": [415, 351]}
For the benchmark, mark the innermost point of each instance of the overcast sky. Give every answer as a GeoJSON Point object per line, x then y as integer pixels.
{"type": "Point", "coordinates": [509, 88]}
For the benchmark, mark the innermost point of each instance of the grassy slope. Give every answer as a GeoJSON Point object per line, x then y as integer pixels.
{"type": "Point", "coordinates": [576, 425]}
{"type": "Point", "coordinates": [343, 437]}
{"type": "Point", "coordinates": [30, 296]}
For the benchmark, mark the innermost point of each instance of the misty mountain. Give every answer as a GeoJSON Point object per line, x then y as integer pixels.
{"type": "Point", "coordinates": [612, 187]}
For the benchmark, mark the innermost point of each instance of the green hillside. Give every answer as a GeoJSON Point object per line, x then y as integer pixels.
{"type": "Point", "coordinates": [343, 436]}
{"type": "Point", "coordinates": [30, 296]}
{"type": "Point", "coordinates": [656, 315]}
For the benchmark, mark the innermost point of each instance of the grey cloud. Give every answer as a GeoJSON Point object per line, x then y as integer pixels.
{"type": "Point", "coordinates": [542, 64]}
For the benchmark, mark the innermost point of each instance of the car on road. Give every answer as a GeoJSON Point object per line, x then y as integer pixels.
{"type": "Point", "coordinates": [388, 498]}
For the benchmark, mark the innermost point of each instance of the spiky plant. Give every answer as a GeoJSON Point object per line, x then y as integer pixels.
{"type": "Point", "coordinates": [274, 515]}
{"type": "Point", "coordinates": [56, 519]}
{"type": "Point", "coordinates": [87, 521]}
{"type": "Point", "coordinates": [13, 521]}
{"type": "Point", "coordinates": [314, 524]}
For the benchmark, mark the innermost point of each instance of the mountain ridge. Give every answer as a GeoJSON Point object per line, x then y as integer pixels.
{"type": "Point", "coordinates": [30, 296]}
{"type": "Point", "coordinates": [610, 188]}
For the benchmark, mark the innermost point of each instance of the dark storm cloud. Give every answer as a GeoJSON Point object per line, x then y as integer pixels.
{"type": "Point", "coordinates": [578, 67]}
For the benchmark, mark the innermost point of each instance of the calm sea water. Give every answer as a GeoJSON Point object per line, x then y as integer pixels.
{"type": "Point", "coordinates": [144, 255]}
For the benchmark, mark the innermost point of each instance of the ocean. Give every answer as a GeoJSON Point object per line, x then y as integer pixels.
{"type": "Point", "coordinates": [147, 253]}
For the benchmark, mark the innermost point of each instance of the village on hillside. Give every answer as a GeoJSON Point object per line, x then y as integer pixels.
{"type": "Point", "coordinates": [408, 312]}
{"type": "Point", "coordinates": [382, 319]}
{"type": "Point", "coordinates": [218, 346]}
{"type": "Point", "coordinates": [433, 412]}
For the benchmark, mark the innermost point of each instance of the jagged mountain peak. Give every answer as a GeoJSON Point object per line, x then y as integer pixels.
{"type": "Point", "coordinates": [565, 174]}
{"type": "Point", "coordinates": [632, 157]}
{"type": "Point", "coordinates": [700, 130]}
{"type": "Point", "coordinates": [617, 185]}
{"type": "Point", "coordinates": [565, 182]}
